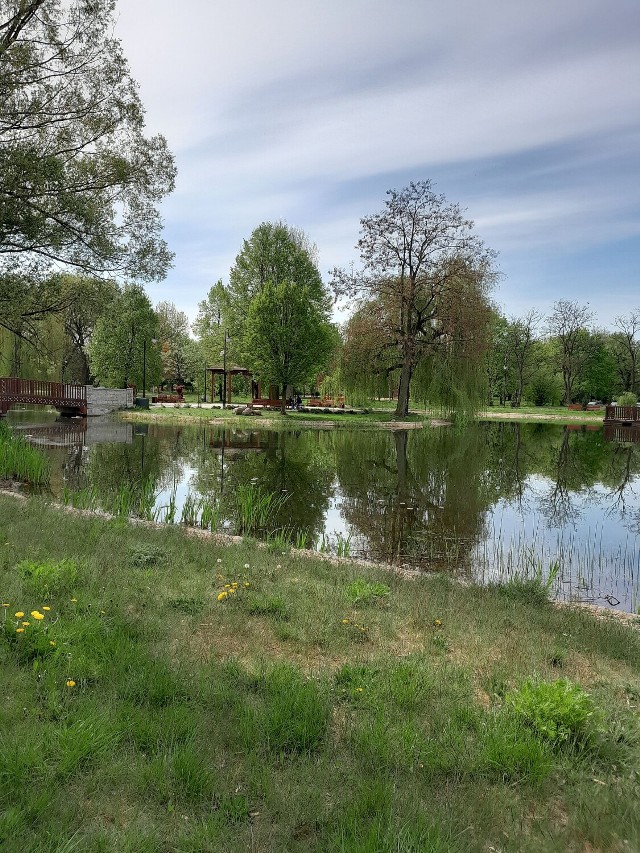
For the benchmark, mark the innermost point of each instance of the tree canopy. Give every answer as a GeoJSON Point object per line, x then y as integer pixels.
{"type": "Point", "coordinates": [80, 181]}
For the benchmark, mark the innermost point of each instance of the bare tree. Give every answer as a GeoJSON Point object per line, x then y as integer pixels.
{"type": "Point", "coordinates": [569, 325]}
{"type": "Point", "coordinates": [424, 266]}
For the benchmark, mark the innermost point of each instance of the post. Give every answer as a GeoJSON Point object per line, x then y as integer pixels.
{"type": "Point", "coordinates": [144, 368]}
{"type": "Point", "coordinates": [224, 372]}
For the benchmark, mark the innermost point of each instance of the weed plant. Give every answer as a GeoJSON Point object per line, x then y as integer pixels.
{"type": "Point", "coordinates": [183, 694]}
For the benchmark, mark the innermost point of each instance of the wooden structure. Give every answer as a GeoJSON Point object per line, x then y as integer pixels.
{"type": "Point", "coordinates": [625, 433]}
{"type": "Point", "coordinates": [629, 415]}
{"type": "Point", "coordinates": [226, 377]}
{"type": "Point", "coordinates": [68, 399]}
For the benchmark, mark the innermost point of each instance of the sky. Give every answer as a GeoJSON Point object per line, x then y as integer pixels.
{"type": "Point", "coordinates": [525, 113]}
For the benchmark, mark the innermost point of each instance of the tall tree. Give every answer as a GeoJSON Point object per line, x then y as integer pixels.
{"type": "Point", "coordinates": [80, 181]}
{"type": "Point", "coordinates": [423, 263]}
{"type": "Point", "coordinates": [568, 324]}
{"type": "Point", "coordinates": [86, 300]}
{"type": "Point", "coordinates": [173, 334]}
{"type": "Point", "coordinates": [287, 335]}
{"type": "Point", "coordinates": [275, 252]}
{"type": "Point", "coordinates": [521, 343]}
{"type": "Point", "coordinates": [625, 346]}
{"type": "Point", "coordinates": [121, 340]}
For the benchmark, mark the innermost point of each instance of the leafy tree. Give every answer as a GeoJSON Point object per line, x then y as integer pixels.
{"type": "Point", "coordinates": [287, 334]}
{"type": "Point", "coordinates": [568, 325]}
{"type": "Point", "coordinates": [208, 325]}
{"type": "Point", "coordinates": [624, 345]}
{"type": "Point", "coordinates": [429, 274]}
{"type": "Point", "coordinates": [80, 181]}
{"type": "Point", "coordinates": [521, 348]}
{"type": "Point", "coordinates": [274, 253]}
{"type": "Point", "coordinates": [116, 351]}
{"type": "Point", "coordinates": [173, 333]}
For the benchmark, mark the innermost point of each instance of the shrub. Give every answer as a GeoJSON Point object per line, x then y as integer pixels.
{"type": "Point", "coordinates": [627, 399]}
{"type": "Point", "coordinates": [557, 711]}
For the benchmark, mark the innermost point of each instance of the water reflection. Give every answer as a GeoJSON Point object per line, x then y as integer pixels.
{"type": "Point", "coordinates": [484, 501]}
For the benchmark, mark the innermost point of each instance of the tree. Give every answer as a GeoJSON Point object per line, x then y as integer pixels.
{"type": "Point", "coordinates": [568, 324]}
{"type": "Point", "coordinates": [120, 338]}
{"type": "Point", "coordinates": [274, 253]}
{"type": "Point", "coordinates": [173, 333]}
{"type": "Point", "coordinates": [80, 183]}
{"type": "Point", "coordinates": [208, 323]}
{"type": "Point", "coordinates": [287, 334]}
{"type": "Point", "coordinates": [521, 342]}
{"type": "Point", "coordinates": [625, 346]}
{"type": "Point", "coordinates": [428, 272]}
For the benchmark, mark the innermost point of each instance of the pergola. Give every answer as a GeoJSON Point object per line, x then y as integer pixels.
{"type": "Point", "coordinates": [229, 373]}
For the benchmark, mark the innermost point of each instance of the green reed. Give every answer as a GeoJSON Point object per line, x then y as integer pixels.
{"type": "Point", "coordinates": [19, 461]}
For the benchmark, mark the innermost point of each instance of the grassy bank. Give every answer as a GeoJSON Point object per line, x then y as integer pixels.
{"type": "Point", "coordinates": [172, 693]}
{"type": "Point", "coordinates": [377, 416]}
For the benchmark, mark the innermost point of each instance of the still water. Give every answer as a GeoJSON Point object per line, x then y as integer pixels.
{"type": "Point", "coordinates": [485, 502]}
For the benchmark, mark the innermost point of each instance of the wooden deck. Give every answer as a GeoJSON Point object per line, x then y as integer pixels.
{"type": "Point", "coordinates": [67, 399]}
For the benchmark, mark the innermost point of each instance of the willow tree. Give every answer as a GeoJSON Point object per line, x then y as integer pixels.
{"type": "Point", "coordinates": [427, 275]}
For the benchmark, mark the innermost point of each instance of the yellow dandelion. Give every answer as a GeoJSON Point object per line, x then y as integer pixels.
{"type": "Point", "coordinates": [37, 615]}
{"type": "Point", "coordinates": [247, 584]}
{"type": "Point", "coordinates": [19, 630]}
{"type": "Point", "coordinates": [26, 624]}
{"type": "Point", "coordinates": [19, 614]}
{"type": "Point", "coordinates": [46, 608]}
{"type": "Point", "coordinates": [360, 689]}
{"type": "Point", "coordinates": [5, 605]}
{"type": "Point", "coordinates": [222, 596]}
{"type": "Point", "coordinates": [235, 583]}
{"type": "Point", "coordinates": [52, 642]}
{"type": "Point", "coordinates": [438, 622]}
{"type": "Point", "coordinates": [232, 590]}
{"type": "Point", "coordinates": [71, 683]}
{"type": "Point", "coordinates": [74, 599]}
{"type": "Point", "coordinates": [345, 621]}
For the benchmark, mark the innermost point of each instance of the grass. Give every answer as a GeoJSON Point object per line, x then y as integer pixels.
{"type": "Point", "coordinates": [200, 696]}
{"type": "Point", "coordinates": [20, 461]}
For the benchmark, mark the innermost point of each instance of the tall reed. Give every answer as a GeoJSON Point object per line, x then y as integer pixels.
{"type": "Point", "coordinates": [20, 461]}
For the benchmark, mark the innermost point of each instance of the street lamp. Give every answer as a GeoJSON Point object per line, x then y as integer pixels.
{"type": "Point", "coordinates": [224, 370]}
{"type": "Point", "coordinates": [144, 365]}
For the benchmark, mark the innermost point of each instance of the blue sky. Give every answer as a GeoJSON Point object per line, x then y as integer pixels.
{"type": "Point", "coordinates": [526, 114]}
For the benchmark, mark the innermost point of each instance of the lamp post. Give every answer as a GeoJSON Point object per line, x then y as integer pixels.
{"type": "Point", "coordinates": [224, 371]}
{"type": "Point", "coordinates": [144, 365]}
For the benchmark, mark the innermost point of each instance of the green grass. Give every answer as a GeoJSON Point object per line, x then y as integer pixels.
{"type": "Point", "coordinates": [20, 461]}
{"type": "Point", "coordinates": [233, 698]}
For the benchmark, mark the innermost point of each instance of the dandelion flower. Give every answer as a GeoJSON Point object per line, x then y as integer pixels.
{"type": "Point", "coordinates": [19, 614]}
{"type": "Point", "coordinates": [247, 584]}
{"type": "Point", "coordinates": [74, 599]}
{"type": "Point", "coordinates": [345, 621]}
{"type": "Point", "coordinates": [71, 683]}
{"type": "Point", "coordinates": [360, 689]}
{"type": "Point", "coordinates": [26, 624]}
{"type": "Point", "coordinates": [246, 565]}
{"type": "Point", "coordinates": [222, 595]}
{"type": "Point", "coordinates": [52, 642]}
{"type": "Point", "coordinates": [19, 630]}
{"type": "Point", "coordinates": [235, 583]}
{"type": "Point", "coordinates": [232, 590]}
{"type": "Point", "coordinates": [37, 615]}
{"type": "Point", "coordinates": [5, 605]}
{"type": "Point", "coordinates": [46, 608]}
{"type": "Point", "coordinates": [438, 622]}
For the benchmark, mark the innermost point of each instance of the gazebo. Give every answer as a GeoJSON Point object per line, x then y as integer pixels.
{"type": "Point", "coordinates": [229, 373]}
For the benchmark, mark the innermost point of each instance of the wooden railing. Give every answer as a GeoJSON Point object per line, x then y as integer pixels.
{"type": "Point", "coordinates": [61, 395]}
{"type": "Point", "coordinates": [622, 413]}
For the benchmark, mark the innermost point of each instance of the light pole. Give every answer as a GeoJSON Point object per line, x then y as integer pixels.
{"type": "Point", "coordinates": [224, 370]}
{"type": "Point", "coordinates": [144, 365]}
{"type": "Point", "coordinates": [504, 384]}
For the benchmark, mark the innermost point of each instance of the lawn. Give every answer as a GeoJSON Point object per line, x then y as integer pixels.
{"type": "Point", "coordinates": [180, 693]}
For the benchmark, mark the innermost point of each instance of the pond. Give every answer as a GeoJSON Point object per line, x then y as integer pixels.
{"type": "Point", "coordinates": [485, 502]}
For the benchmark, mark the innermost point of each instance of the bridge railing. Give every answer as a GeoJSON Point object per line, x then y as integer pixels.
{"type": "Point", "coordinates": [39, 391]}
{"type": "Point", "coordinates": [622, 413]}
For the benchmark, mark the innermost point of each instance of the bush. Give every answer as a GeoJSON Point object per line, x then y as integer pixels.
{"type": "Point", "coordinates": [627, 399]}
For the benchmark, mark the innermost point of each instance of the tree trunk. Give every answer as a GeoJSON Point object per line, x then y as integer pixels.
{"type": "Point", "coordinates": [283, 402]}
{"type": "Point", "coordinates": [402, 409]}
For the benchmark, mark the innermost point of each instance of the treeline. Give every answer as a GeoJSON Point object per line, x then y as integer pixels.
{"type": "Point", "coordinates": [562, 358]}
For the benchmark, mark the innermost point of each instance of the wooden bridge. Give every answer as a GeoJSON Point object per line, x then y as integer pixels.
{"type": "Point", "coordinates": [67, 399]}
